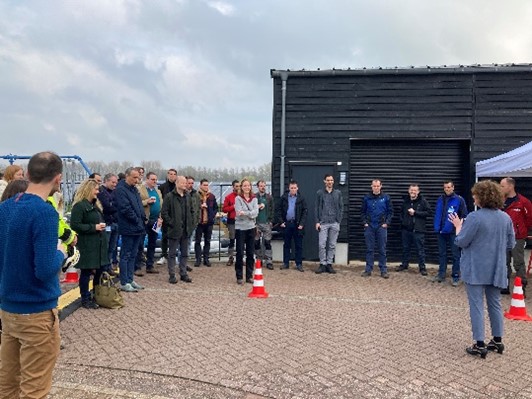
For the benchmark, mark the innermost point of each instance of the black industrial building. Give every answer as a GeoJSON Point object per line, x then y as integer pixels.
{"type": "Point", "coordinates": [421, 124]}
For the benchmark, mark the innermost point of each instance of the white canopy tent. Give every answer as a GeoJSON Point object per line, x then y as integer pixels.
{"type": "Point", "coordinates": [515, 163]}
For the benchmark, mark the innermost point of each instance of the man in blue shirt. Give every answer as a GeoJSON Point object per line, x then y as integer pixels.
{"type": "Point", "coordinates": [152, 200]}
{"type": "Point", "coordinates": [377, 212]}
{"type": "Point", "coordinates": [292, 213]}
{"type": "Point", "coordinates": [29, 292]}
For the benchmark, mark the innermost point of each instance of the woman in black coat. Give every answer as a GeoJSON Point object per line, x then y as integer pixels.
{"type": "Point", "coordinates": [87, 221]}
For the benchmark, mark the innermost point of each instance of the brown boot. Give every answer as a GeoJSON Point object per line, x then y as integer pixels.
{"type": "Point", "coordinates": [230, 261]}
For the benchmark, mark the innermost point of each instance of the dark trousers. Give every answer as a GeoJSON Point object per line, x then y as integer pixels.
{"type": "Point", "coordinates": [417, 239]}
{"type": "Point", "coordinates": [152, 242]}
{"type": "Point", "coordinates": [376, 238]}
{"type": "Point", "coordinates": [244, 238]}
{"type": "Point", "coordinates": [139, 257]}
{"type": "Point", "coordinates": [444, 241]}
{"type": "Point", "coordinates": [112, 237]}
{"type": "Point", "coordinates": [204, 230]}
{"type": "Point", "coordinates": [128, 254]}
{"type": "Point", "coordinates": [164, 241]}
{"type": "Point", "coordinates": [84, 278]}
{"type": "Point", "coordinates": [174, 246]}
{"type": "Point", "coordinates": [291, 232]}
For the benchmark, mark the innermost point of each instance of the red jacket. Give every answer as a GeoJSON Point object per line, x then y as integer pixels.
{"type": "Point", "coordinates": [229, 205]}
{"type": "Point", "coordinates": [520, 211]}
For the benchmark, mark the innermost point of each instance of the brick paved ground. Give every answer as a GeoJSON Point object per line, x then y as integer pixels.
{"type": "Point", "coordinates": [317, 336]}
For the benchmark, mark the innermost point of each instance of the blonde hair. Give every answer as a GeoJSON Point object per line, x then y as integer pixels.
{"type": "Point", "coordinates": [9, 173]}
{"type": "Point", "coordinates": [85, 190]}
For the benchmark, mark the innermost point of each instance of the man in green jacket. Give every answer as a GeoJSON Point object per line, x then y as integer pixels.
{"type": "Point", "coordinates": [178, 214]}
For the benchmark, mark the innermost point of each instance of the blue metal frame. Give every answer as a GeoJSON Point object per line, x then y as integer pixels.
{"type": "Point", "coordinates": [12, 158]}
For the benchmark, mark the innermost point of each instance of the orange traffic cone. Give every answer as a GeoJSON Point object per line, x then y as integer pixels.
{"type": "Point", "coordinates": [517, 306]}
{"type": "Point", "coordinates": [71, 276]}
{"type": "Point", "coordinates": [258, 290]}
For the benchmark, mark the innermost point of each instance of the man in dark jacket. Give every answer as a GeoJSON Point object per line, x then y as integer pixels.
{"type": "Point", "coordinates": [178, 215]}
{"type": "Point", "coordinates": [414, 213]}
{"type": "Point", "coordinates": [207, 214]}
{"type": "Point", "coordinates": [377, 212]}
{"type": "Point", "coordinates": [292, 214]}
{"type": "Point", "coordinates": [167, 187]}
{"type": "Point", "coordinates": [447, 204]}
{"type": "Point", "coordinates": [131, 218]}
{"type": "Point", "coordinates": [519, 209]}
{"type": "Point", "coordinates": [110, 215]}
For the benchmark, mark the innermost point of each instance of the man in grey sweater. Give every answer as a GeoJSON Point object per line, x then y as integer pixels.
{"type": "Point", "coordinates": [329, 211]}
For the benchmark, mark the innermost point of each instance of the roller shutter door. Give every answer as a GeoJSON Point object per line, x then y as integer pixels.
{"type": "Point", "coordinates": [397, 163]}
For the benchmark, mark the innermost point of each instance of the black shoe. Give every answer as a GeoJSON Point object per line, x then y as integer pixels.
{"type": "Point", "coordinates": [240, 281]}
{"type": "Point", "coordinates": [385, 275]}
{"type": "Point", "coordinates": [505, 291]}
{"type": "Point", "coordinates": [495, 347]}
{"type": "Point", "coordinates": [89, 304]}
{"type": "Point", "coordinates": [189, 269]}
{"type": "Point", "coordinates": [197, 263]}
{"type": "Point", "coordinates": [300, 268]}
{"type": "Point", "coordinates": [329, 269]}
{"type": "Point", "coordinates": [423, 272]}
{"type": "Point", "coordinates": [269, 266]}
{"type": "Point", "coordinates": [321, 269]}
{"type": "Point", "coordinates": [172, 280]}
{"type": "Point", "coordinates": [186, 279]}
{"type": "Point", "coordinates": [284, 267]}
{"type": "Point", "coordinates": [207, 263]}
{"type": "Point", "coordinates": [401, 268]}
{"type": "Point", "coordinates": [366, 274]}
{"type": "Point", "coordinates": [152, 271]}
{"type": "Point", "coordinates": [477, 350]}
{"type": "Point", "coordinates": [249, 280]}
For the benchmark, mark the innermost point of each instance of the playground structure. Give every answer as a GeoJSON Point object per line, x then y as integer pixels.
{"type": "Point", "coordinates": [75, 170]}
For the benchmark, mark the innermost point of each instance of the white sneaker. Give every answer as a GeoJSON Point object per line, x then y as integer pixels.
{"type": "Point", "coordinates": [162, 261]}
{"type": "Point", "coordinates": [137, 286]}
{"type": "Point", "coordinates": [128, 288]}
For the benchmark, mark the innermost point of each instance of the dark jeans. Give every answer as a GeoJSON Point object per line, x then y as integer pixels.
{"type": "Point", "coordinates": [445, 241]}
{"type": "Point", "coordinates": [112, 237]}
{"type": "Point", "coordinates": [291, 232]}
{"type": "Point", "coordinates": [164, 241]}
{"type": "Point", "coordinates": [84, 278]}
{"type": "Point", "coordinates": [152, 241]}
{"type": "Point", "coordinates": [128, 255]}
{"type": "Point", "coordinates": [204, 230]}
{"type": "Point", "coordinates": [376, 238]}
{"type": "Point", "coordinates": [244, 238]}
{"type": "Point", "coordinates": [417, 239]}
{"type": "Point", "coordinates": [139, 257]}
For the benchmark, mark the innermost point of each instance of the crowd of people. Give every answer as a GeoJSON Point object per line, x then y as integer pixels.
{"type": "Point", "coordinates": [485, 244]}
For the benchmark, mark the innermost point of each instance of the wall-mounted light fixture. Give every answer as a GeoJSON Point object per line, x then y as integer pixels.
{"type": "Point", "coordinates": [343, 178]}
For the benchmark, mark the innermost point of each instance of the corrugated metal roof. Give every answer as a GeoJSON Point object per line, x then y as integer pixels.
{"type": "Point", "coordinates": [427, 69]}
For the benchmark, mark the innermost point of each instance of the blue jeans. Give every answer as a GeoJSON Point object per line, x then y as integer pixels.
{"type": "Point", "coordinates": [292, 232]}
{"type": "Point", "coordinates": [444, 241]}
{"type": "Point", "coordinates": [418, 239]}
{"type": "Point", "coordinates": [112, 237]}
{"type": "Point", "coordinates": [475, 296]}
{"type": "Point", "coordinates": [376, 236]}
{"type": "Point", "coordinates": [152, 241]}
{"type": "Point", "coordinates": [128, 255]}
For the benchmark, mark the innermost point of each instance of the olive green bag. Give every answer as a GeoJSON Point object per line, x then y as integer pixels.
{"type": "Point", "coordinates": [107, 294]}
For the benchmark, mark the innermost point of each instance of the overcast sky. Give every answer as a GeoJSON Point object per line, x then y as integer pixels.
{"type": "Point", "coordinates": [188, 81]}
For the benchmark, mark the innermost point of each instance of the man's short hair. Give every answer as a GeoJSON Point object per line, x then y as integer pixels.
{"type": "Point", "coordinates": [44, 166]}
{"type": "Point", "coordinates": [234, 182]}
{"type": "Point", "coordinates": [510, 181]}
{"type": "Point", "coordinates": [150, 174]}
{"type": "Point", "coordinates": [449, 182]}
{"type": "Point", "coordinates": [190, 178]}
{"type": "Point", "coordinates": [327, 175]}
{"type": "Point", "coordinates": [203, 181]}
{"type": "Point", "coordinates": [108, 177]}
{"type": "Point", "coordinates": [129, 170]}
{"type": "Point", "coordinates": [94, 174]}
{"type": "Point", "coordinates": [121, 176]}
{"type": "Point", "coordinates": [172, 170]}
{"type": "Point", "coordinates": [413, 185]}
{"type": "Point", "coordinates": [292, 182]}
{"type": "Point", "coordinates": [260, 181]}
